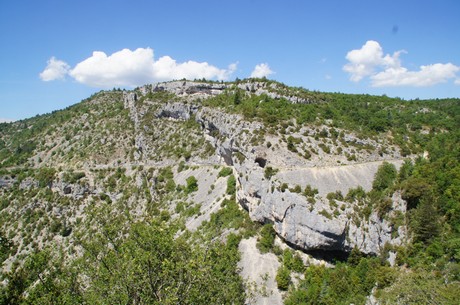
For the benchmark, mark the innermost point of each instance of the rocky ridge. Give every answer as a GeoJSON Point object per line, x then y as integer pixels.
{"type": "Point", "coordinates": [275, 192]}
{"type": "Point", "coordinates": [194, 90]}
{"type": "Point", "coordinates": [307, 225]}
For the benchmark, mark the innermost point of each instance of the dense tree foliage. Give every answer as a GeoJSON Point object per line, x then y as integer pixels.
{"type": "Point", "coordinates": [148, 266]}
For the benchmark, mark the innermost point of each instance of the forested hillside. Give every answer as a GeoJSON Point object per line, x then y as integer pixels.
{"type": "Point", "coordinates": [149, 196]}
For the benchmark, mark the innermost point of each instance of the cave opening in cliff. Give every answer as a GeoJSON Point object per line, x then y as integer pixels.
{"type": "Point", "coordinates": [261, 161]}
{"type": "Point", "coordinates": [330, 256]}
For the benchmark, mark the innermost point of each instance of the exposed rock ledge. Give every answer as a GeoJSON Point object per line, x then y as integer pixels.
{"type": "Point", "coordinates": [313, 227]}
{"type": "Point", "coordinates": [300, 223]}
{"type": "Point", "coordinates": [196, 89]}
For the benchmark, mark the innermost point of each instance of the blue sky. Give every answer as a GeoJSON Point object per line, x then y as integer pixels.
{"type": "Point", "coordinates": [55, 53]}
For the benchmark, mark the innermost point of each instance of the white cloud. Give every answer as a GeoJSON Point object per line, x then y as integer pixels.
{"type": "Point", "coordinates": [55, 69]}
{"type": "Point", "coordinates": [122, 68]}
{"type": "Point", "coordinates": [427, 76]}
{"type": "Point", "coordinates": [457, 81]}
{"type": "Point", "coordinates": [386, 71]}
{"type": "Point", "coordinates": [261, 70]}
{"type": "Point", "coordinates": [6, 120]}
{"type": "Point", "coordinates": [138, 67]}
{"type": "Point", "coordinates": [363, 62]}
{"type": "Point", "coordinates": [166, 68]}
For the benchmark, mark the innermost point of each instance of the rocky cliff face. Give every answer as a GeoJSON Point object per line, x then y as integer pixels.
{"type": "Point", "coordinates": [194, 168]}
{"type": "Point", "coordinates": [194, 90]}
{"type": "Point", "coordinates": [309, 223]}
{"type": "Point", "coordinates": [316, 224]}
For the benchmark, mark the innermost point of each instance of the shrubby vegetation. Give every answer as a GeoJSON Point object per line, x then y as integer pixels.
{"type": "Point", "coordinates": [149, 266]}
{"type": "Point", "coordinates": [427, 270]}
{"type": "Point", "coordinates": [226, 171]}
{"type": "Point", "coordinates": [347, 283]}
{"type": "Point", "coordinates": [122, 259]}
{"type": "Point", "coordinates": [5, 247]}
{"type": "Point", "coordinates": [114, 256]}
{"type": "Point", "coordinates": [266, 239]}
{"type": "Point", "coordinates": [411, 123]}
{"type": "Point", "coordinates": [231, 185]}
{"type": "Point", "coordinates": [192, 184]}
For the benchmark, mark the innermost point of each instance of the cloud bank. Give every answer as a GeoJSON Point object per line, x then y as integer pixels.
{"type": "Point", "coordinates": [261, 70]}
{"type": "Point", "coordinates": [131, 68]}
{"type": "Point", "coordinates": [387, 71]}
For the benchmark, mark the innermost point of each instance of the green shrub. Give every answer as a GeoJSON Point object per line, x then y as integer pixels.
{"type": "Point", "coordinates": [73, 177]}
{"type": "Point", "coordinates": [325, 148]}
{"type": "Point", "coordinates": [180, 207]}
{"type": "Point", "coordinates": [385, 176]}
{"type": "Point", "coordinates": [192, 185]}
{"type": "Point", "coordinates": [283, 278]}
{"type": "Point", "coordinates": [284, 187]}
{"type": "Point", "coordinates": [296, 189]}
{"type": "Point", "coordinates": [231, 185]}
{"type": "Point", "coordinates": [325, 214]}
{"type": "Point", "coordinates": [193, 210]}
{"type": "Point", "coordinates": [45, 176]}
{"type": "Point", "coordinates": [266, 239]}
{"type": "Point", "coordinates": [270, 172]}
{"type": "Point", "coordinates": [309, 191]}
{"type": "Point", "coordinates": [224, 172]}
{"type": "Point", "coordinates": [181, 167]}
{"type": "Point", "coordinates": [337, 195]}
{"type": "Point", "coordinates": [6, 247]}
{"type": "Point", "coordinates": [355, 194]}
{"type": "Point", "coordinates": [292, 261]}
{"type": "Point", "coordinates": [105, 198]}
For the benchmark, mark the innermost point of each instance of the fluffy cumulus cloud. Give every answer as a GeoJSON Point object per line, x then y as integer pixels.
{"type": "Point", "coordinates": [261, 70]}
{"type": "Point", "coordinates": [386, 70]}
{"type": "Point", "coordinates": [55, 69]}
{"type": "Point", "coordinates": [122, 68]}
{"type": "Point", "coordinates": [166, 68]}
{"type": "Point", "coordinates": [134, 68]}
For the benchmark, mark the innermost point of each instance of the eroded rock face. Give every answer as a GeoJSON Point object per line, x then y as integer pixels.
{"type": "Point", "coordinates": [315, 226]}
{"type": "Point", "coordinates": [6, 182]}
{"type": "Point", "coordinates": [260, 269]}
{"type": "Point", "coordinates": [307, 223]}
{"type": "Point", "coordinates": [178, 111]}
{"type": "Point", "coordinates": [74, 190]}
{"type": "Point", "coordinates": [187, 88]}
{"type": "Point", "coordinates": [196, 89]}
{"type": "Point", "coordinates": [372, 235]}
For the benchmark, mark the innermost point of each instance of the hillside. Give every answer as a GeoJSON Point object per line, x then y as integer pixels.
{"type": "Point", "coordinates": [192, 192]}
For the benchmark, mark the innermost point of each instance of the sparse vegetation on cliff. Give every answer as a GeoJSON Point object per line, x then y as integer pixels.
{"type": "Point", "coordinates": [144, 197]}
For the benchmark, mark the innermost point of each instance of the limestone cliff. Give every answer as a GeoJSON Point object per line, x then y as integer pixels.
{"type": "Point", "coordinates": [315, 223]}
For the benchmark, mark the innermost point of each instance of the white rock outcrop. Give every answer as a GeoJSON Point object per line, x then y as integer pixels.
{"type": "Point", "coordinates": [304, 224]}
